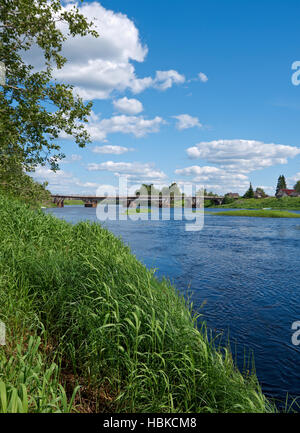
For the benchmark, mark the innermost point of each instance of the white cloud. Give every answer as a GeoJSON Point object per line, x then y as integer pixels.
{"type": "Point", "coordinates": [294, 178]}
{"type": "Point", "coordinates": [138, 126]}
{"type": "Point", "coordinates": [165, 79]}
{"type": "Point", "coordinates": [72, 158]}
{"type": "Point", "coordinates": [75, 157]}
{"type": "Point", "coordinates": [243, 155]}
{"type": "Point", "coordinates": [186, 121]}
{"type": "Point", "coordinates": [132, 170]}
{"type": "Point", "coordinates": [97, 67]}
{"type": "Point", "coordinates": [215, 178]}
{"type": "Point", "coordinates": [128, 106]}
{"type": "Point", "coordinates": [63, 182]}
{"type": "Point", "coordinates": [202, 77]}
{"type": "Point", "coordinates": [199, 171]}
{"type": "Point", "coordinates": [109, 149]}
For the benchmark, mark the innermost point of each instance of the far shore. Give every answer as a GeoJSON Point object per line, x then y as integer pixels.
{"type": "Point", "coordinates": [256, 213]}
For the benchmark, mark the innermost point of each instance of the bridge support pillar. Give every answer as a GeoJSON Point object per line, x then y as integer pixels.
{"type": "Point", "coordinates": [90, 203]}
{"type": "Point", "coordinates": [60, 203]}
{"type": "Point", "coordinates": [129, 203]}
{"type": "Point", "coordinates": [160, 202]}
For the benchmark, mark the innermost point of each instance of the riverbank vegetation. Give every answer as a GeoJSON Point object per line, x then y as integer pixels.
{"type": "Point", "coordinates": [73, 203]}
{"type": "Point", "coordinates": [14, 183]}
{"type": "Point", "coordinates": [257, 213]}
{"type": "Point", "coordinates": [292, 203]}
{"type": "Point", "coordinates": [80, 309]}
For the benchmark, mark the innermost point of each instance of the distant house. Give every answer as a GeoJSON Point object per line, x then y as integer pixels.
{"type": "Point", "coordinates": [260, 194]}
{"type": "Point", "coordinates": [287, 193]}
{"type": "Point", "coordinates": [233, 195]}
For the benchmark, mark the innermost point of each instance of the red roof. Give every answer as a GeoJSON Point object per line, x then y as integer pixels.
{"type": "Point", "coordinates": [288, 191]}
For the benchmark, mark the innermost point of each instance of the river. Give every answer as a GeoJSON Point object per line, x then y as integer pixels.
{"type": "Point", "coordinates": [244, 270]}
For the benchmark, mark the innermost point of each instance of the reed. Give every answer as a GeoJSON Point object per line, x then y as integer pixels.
{"type": "Point", "coordinates": [132, 338]}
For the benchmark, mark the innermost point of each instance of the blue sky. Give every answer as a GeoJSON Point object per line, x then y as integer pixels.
{"type": "Point", "coordinates": [156, 120]}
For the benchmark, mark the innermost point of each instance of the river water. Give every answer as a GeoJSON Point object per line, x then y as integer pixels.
{"type": "Point", "coordinates": [245, 271]}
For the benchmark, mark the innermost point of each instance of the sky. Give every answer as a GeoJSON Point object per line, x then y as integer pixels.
{"type": "Point", "coordinates": [184, 91]}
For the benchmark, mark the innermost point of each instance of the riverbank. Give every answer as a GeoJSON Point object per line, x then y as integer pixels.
{"type": "Point", "coordinates": [292, 203]}
{"type": "Point", "coordinates": [73, 203]}
{"type": "Point", "coordinates": [256, 213]}
{"type": "Point", "coordinates": [105, 321]}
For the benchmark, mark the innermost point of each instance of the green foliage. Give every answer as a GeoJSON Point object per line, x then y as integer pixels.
{"type": "Point", "coordinates": [73, 202]}
{"type": "Point", "coordinates": [174, 190]}
{"type": "Point", "coordinates": [34, 109]}
{"type": "Point", "coordinates": [19, 185]}
{"type": "Point", "coordinates": [27, 384]}
{"type": "Point", "coordinates": [258, 213]}
{"type": "Point", "coordinates": [269, 202]}
{"type": "Point", "coordinates": [206, 193]}
{"type": "Point", "coordinates": [147, 190]}
{"type": "Point", "coordinates": [113, 322]}
{"type": "Point", "coordinates": [261, 192]}
{"type": "Point", "coordinates": [228, 199]}
{"type": "Point", "coordinates": [249, 193]}
{"type": "Point", "coordinates": [150, 189]}
{"type": "Point", "coordinates": [297, 186]}
{"type": "Point", "coordinates": [281, 184]}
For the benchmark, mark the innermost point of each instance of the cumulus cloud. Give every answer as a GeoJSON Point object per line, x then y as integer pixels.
{"type": "Point", "coordinates": [63, 182]}
{"type": "Point", "coordinates": [216, 178]}
{"type": "Point", "coordinates": [109, 149]}
{"type": "Point", "coordinates": [132, 170]}
{"type": "Point", "coordinates": [97, 67]}
{"type": "Point", "coordinates": [295, 178]}
{"type": "Point", "coordinates": [186, 121]}
{"type": "Point", "coordinates": [243, 155]}
{"type": "Point", "coordinates": [165, 79]}
{"type": "Point", "coordinates": [70, 159]}
{"type": "Point", "coordinates": [138, 126]}
{"type": "Point", "coordinates": [202, 77]}
{"type": "Point", "coordinates": [128, 106]}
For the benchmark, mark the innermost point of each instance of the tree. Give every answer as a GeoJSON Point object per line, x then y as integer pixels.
{"type": "Point", "coordinates": [206, 193]}
{"type": "Point", "coordinates": [34, 108]}
{"type": "Point", "coordinates": [146, 189]}
{"type": "Point", "coordinates": [249, 193]}
{"type": "Point", "coordinates": [281, 184]}
{"type": "Point", "coordinates": [297, 186]}
{"type": "Point", "coordinates": [228, 199]}
{"type": "Point", "coordinates": [260, 192]}
{"type": "Point", "coordinates": [174, 190]}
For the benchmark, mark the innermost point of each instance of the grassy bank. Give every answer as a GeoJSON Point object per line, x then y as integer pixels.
{"type": "Point", "coordinates": [292, 203]}
{"type": "Point", "coordinates": [135, 211]}
{"type": "Point", "coordinates": [257, 213]}
{"type": "Point", "coordinates": [74, 203]}
{"type": "Point", "coordinates": [84, 310]}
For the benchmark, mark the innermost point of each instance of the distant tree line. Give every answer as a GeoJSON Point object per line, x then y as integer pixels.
{"type": "Point", "coordinates": [173, 189]}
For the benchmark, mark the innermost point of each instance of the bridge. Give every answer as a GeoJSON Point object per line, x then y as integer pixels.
{"type": "Point", "coordinates": [130, 201]}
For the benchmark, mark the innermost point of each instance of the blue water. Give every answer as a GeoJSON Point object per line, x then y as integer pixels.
{"type": "Point", "coordinates": [245, 270]}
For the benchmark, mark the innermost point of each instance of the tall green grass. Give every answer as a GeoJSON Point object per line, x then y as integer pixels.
{"type": "Point", "coordinates": [74, 202]}
{"type": "Point", "coordinates": [257, 213]}
{"type": "Point", "coordinates": [130, 337]}
{"type": "Point", "coordinates": [269, 202]}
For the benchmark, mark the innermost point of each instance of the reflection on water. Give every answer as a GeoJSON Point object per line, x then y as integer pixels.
{"type": "Point", "coordinates": [246, 269]}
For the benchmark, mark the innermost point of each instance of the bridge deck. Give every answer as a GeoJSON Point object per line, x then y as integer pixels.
{"type": "Point", "coordinates": [133, 197]}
